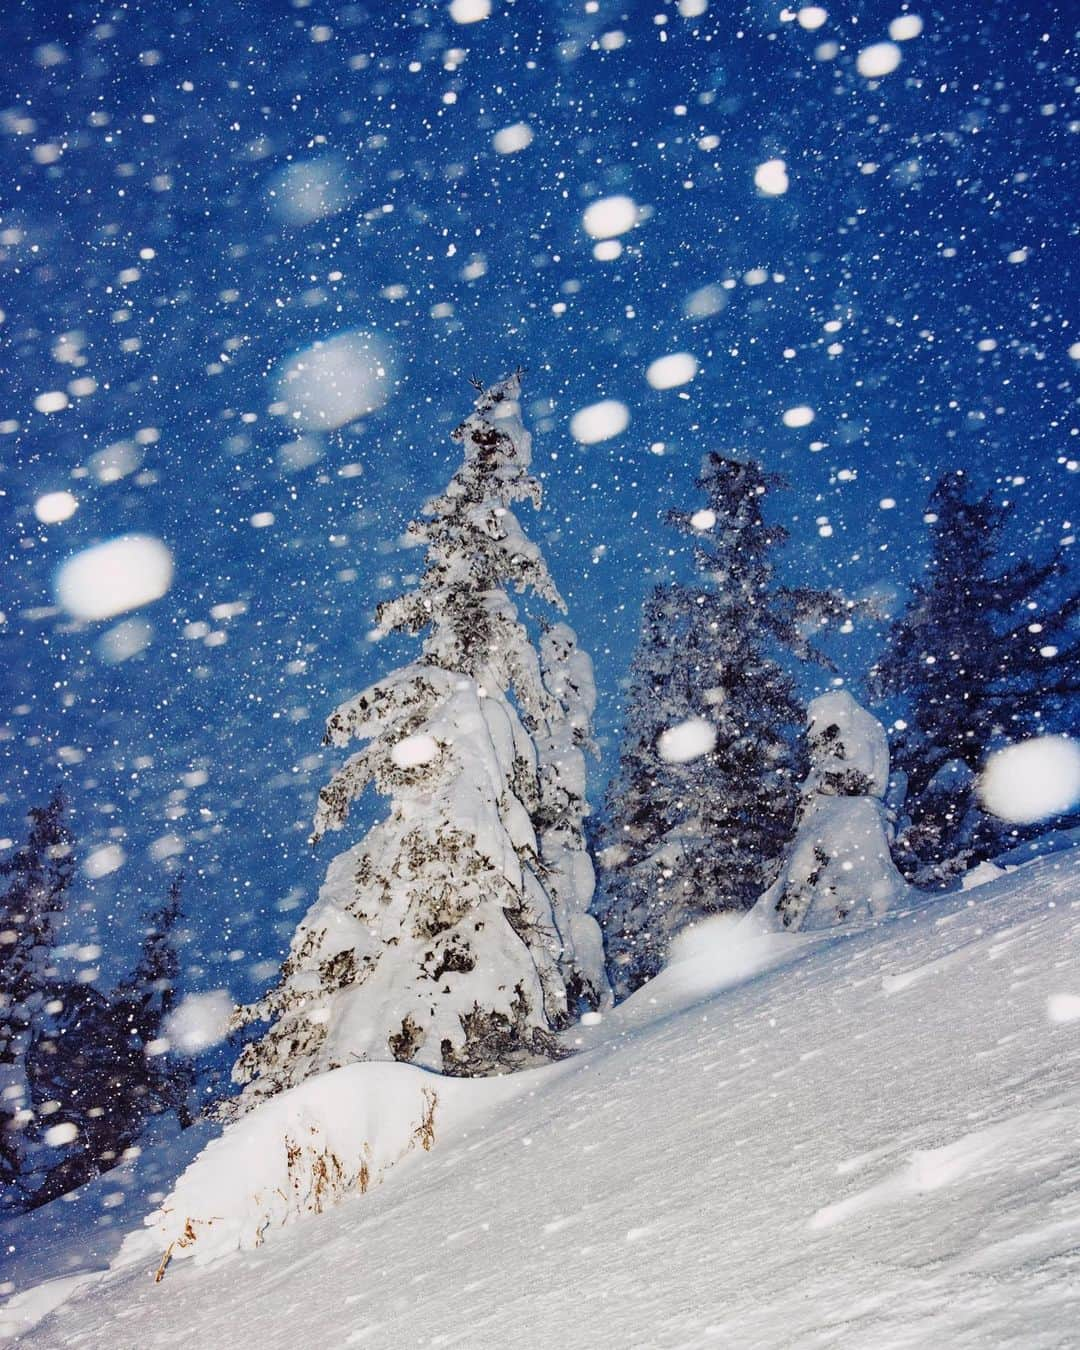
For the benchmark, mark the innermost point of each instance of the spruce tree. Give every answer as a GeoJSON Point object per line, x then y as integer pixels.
{"type": "Point", "coordinates": [701, 832]}
{"type": "Point", "coordinates": [98, 1066]}
{"type": "Point", "coordinates": [982, 654]}
{"type": "Point", "coordinates": [435, 939]}
{"type": "Point", "coordinates": [150, 995]}
{"type": "Point", "coordinates": [563, 741]}
{"type": "Point", "coordinates": [40, 873]}
{"type": "Point", "coordinates": [87, 1076]}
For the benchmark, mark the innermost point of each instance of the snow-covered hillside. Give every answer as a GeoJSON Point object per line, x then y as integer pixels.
{"type": "Point", "coordinates": [874, 1140]}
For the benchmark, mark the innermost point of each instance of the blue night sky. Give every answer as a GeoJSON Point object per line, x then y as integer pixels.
{"type": "Point", "coordinates": [191, 195]}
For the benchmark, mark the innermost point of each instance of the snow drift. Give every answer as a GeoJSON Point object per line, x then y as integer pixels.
{"type": "Point", "coordinates": [300, 1152]}
{"type": "Point", "coordinates": [872, 1143]}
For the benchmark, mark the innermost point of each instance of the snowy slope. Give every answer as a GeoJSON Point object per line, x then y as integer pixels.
{"type": "Point", "coordinates": [876, 1142]}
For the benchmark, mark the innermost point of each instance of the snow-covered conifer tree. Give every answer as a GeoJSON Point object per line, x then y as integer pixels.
{"type": "Point", "coordinates": [707, 788]}
{"type": "Point", "coordinates": [435, 939]}
{"type": "Point", "coordinates": [980, 656]}
{"type": "Point", "coordinates": [40, 875]}
{"type": "Point", "coordinates": [839, 866]}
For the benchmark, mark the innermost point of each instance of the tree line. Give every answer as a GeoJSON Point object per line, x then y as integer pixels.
{"type": "Point", "coordinates": [487, 911]}
{"type": "Point", "coordinates": [82, 1070]}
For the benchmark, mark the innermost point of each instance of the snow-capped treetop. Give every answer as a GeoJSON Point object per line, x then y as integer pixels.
{"type": "Point", "coordinates": [475, 547]}
{"type": "Point", "coordinates": [849, 750]}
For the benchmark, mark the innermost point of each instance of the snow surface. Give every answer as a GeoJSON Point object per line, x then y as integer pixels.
{"type": "Point", "coordinates": [871, 1140]}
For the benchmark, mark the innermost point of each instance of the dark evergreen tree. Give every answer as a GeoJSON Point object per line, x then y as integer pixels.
{"type": "Point", "coordinates": [150, 996]}
{"type": "Point", "coordinates": [40, 874]}
{"type": "Point", "coordinates": [97, 1067]}
{"type": "Point", "coordinates": [698, 827]}
{"type": "Point", "coordinates": [88, 1088]}
{"type": "Point", "coordinates": [982, 654]}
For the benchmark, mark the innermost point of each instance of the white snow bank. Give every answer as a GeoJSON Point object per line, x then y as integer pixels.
{"type": "Point", "coordinates": [839, 868]}
{"type": "Point", "coordinates": [298, 1153]}
{"type": "Point", "coordinates": [808, 1158]}
{"type": "Point", "coordinates": [710, 956]}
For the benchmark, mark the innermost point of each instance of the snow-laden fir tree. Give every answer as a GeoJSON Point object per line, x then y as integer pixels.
{"type": "Point", "coordinates": [984, 653]}
{"type": "Point", "coordinates": [436, 939]}
{"type": "Point", "coordinates": [40, 873]}
{"type": "Point", "coordinates": [707, 789]}
{"type": "Point", "coordinates": [839, 866]}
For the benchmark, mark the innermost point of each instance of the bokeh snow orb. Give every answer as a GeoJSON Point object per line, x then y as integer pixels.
{"type": "Point", "coordinates": [115, 461]}
{"type": "Point", "coordinates": [55, 400]}
{"type": "Point", "coordinates": [610, 216]}
{"type": "Point", "coordinates": [310, 190]}
{"type": "Point", "coordinates": [469, 11]}
{"type": "Point", "coordinates": [509, 140]}
{"type": "Point", "coordinates": [599, 421]}
{"type": "Point", "coordinates": [686, 741]}
{"type": "Point", "coordinates": [111, 578]}
{"type": "Point", "coordinates": [905, 27]}
{"type": "Point", "coordinates": [53, 507]}
{"type": "Point", "coordinates": [811, 17]}
{"type": "Point", "coordinates": [124, 640]}
{"type": "Point", "coordinates": [64, 1133]}
{"type": "Point", "coordinates": [1033, 780]}
{"type": "Point", "coordinates": [800, 416]}
{"type": "Point", "coordinates": [299, 454]}
{"type": "Point", "coordinates": [771, 178]}
{"type": "Point", "coordinates": [103, 861]}
{"type": "Point", "coordinates": [880, 58]}
{"type": "Point", "coordinates": [413, 751]}
{"type": "Point", "coordinates": [703, 519]}
{"type": "Point", "coordinates": [668, 372]}
{"type": "Point", "coordinates": [199, 1021]}
{"type": "Point", "coordinates": [335, 381]}
{"type": "Point", "coordinates": [705, 302]}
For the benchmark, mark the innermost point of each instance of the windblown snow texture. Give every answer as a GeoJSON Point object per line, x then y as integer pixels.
{"type": "Point", "coordinates": [871, 1143]}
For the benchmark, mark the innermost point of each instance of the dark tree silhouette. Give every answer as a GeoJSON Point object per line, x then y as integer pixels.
{"type": "Point", "coordinates": [40, 874]}
{"type": "Point", "coordinates": [981, 655]}
{"type": "Point", "coordinates": [704, 835]}
{"type": "Point", "coordinates": [150, 995]}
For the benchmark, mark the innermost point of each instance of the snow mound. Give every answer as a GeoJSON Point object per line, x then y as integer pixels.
{"type": "Point", "coordinates": [299, 1153]}
{"type": "Point", "coordinates": [881, 1129]}
{"type": "Point", "coordinates": [848, 745]}
{"type": "Point", "coordinates": [840, 867]}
